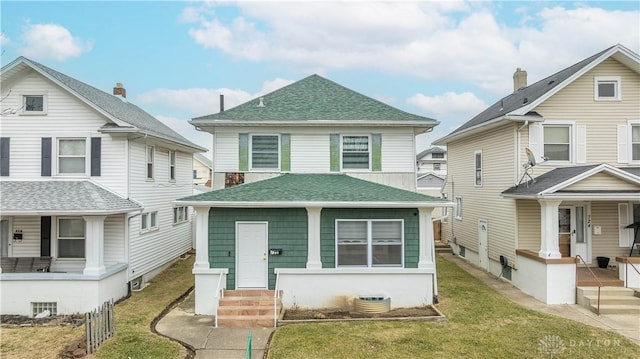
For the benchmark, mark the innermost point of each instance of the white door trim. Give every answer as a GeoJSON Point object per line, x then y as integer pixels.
{"type": "Point", "coordinates": [261, 280]}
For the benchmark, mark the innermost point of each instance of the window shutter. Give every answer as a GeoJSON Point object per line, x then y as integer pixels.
{"type": "Point", "coordinates": [285, 152]}
{"type": "Point", "coordinates": [243, 154]}
{"type": "Point", "coordinates": [376, 152]}
{"type": "Point", "coordinates": [623, 150]}
{"type": "Point", "coordinates": [334, 152]}
{"type": "Point", "coordinates": [96, 144]}
{"type": "Point", "coordinates": [45, 236]}
{"type": "Point", "coordinates": [45, 165]}
{"type": "Point", "coordinates": [5, 149]}
{"type": "Point", "coordinates": [534, 140]}
{"type": "Point", "coordinates": [624, 234]}
{"type": "Point", "coordinates": [581, 148]}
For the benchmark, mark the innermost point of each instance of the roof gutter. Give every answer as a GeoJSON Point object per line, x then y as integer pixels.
{"type": "Point", "coordinates": [489, 124]}
{"type": "Point", "coordinates": [134, 130]}
{"type": "Point", "coordinates": [323, 204]}
{"type": "Point", "coordinates": [314, 123]}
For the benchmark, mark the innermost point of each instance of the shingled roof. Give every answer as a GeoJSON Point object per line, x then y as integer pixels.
{"type": "Point", "coordinates": [315, 99]}
{"type": "Point", "coordinates": [322, 189]}
{"type": "Point", "coordinates": [126, 115]}
{"type": "Point", "coordinates": [61, 197]}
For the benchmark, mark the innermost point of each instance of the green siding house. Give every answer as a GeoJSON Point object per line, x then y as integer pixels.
{"type": "Point", "coordinates": [314, 197]}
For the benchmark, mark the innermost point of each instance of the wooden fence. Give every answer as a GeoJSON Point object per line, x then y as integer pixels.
{"type": "Point", "coordinates": [100, 325]}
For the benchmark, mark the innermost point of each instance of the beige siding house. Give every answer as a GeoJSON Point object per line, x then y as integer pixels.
{"type": "Point", "coordinates": [547, 178]}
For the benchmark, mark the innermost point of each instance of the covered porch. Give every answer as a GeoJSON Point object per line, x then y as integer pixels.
{"type": "Point", "coordinates": [572, 218]}
{"type": "Point", "coordinates": [63, 246]}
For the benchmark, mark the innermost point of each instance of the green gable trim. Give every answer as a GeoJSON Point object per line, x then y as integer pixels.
{"type": "Point", "coordinates": [328, 218]}
{"type": "Point", "coordinates": [376, 152]}
{"type": "Point", "coordinates": [285, 152]}
{"type": "Point", "coordinates": [243, 152]}
{"type": "Point", "coordinates": [320, 188]}
{"type": "Point", "coordinates": [287, 231]}
{"type": "Point", "coordinates": [334, 152]}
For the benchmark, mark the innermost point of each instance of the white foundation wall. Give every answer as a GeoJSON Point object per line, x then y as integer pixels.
{"type": "Point", "coordinates": [549, 283]}
{"type": "Point", "coordinates": [335, 288]}
{"type": "Point", "coordinates": [629, 275]}
{"type": "Point", "coordinates": [207, 296]}
{"type": "Point", "coordinates": [73, 293]}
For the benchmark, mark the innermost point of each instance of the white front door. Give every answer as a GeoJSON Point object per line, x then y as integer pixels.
{"type": "Point", "coordinates": [579, 235]}
{"type": "Point", "coordinates": [251, 254]}
{"type": "Point", "coordinates": [483, 244]}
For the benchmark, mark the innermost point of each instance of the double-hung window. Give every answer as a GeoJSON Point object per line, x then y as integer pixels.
{"type": "Point", "coordinates": [72, 156]}
{"type": "Point", "coordinates": [607, 88]}
{"type": "Point", "coordinates": [356, 152]}
{"type": "Point", "coordinates": [71, 237]}
{"type": "Point", "coordinates": [265, 152]}
{"type": "Point", "coordinates": [172, 165]}
{"type": "Point", "coordinates": [149, 160]}
{"type": "Point", "coordinates": [635, 142]}
{"type": "Point", "coordinates": [180, 214]}
{"type": "Point", "coordinates": [149, 221]}
{"type": "Point", "coordinates": [369, 243]}
{"type": "Point", "coordinates": [557, 142]}
{"type": "Point", "coordinates": [478, 168]}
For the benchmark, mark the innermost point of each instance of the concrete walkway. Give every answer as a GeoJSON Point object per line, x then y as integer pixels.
{"type": "Point", "coordinates": [626, 325]}
{"type": "Point", "coordinates": [198, 332]}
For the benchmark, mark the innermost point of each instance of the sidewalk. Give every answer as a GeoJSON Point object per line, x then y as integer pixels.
{"type": "Point", "coordinates": [211, 343]}
{"type": "Point", "coordinates": [626, 325]}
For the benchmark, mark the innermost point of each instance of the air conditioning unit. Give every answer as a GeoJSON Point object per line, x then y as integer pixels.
{"type": "Point", "coordinates": [136, 284]}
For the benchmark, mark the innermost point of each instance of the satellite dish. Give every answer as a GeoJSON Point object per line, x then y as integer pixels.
{"type": "Point", "coordinates": [531, 157]}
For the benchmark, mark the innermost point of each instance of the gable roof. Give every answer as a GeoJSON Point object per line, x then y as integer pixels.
{"type": "Point", "coordinates": [322, 190]}
{"type": "Point", "coordinates": [203, 159]}
{"type": "Point", "coordinates": [125, 116]}
{"type": "Point", "coordinates": [553, 182]}
{"type": "Point", "coordinates": [61, 197]}
{"type": "Point", "coordinates": [518, 106]}
{"type": "Point", "coordinates": [430, 150]}
{"type": "Point", "coordinates": [314, 100]}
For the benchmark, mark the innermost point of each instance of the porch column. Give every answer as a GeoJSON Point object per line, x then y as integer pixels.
{"type": "Point", "coordinates": [549, 243]}
{"type": "Point", "coordinates": [94, 245]}
{"type": "Point", "coordinates": [313, 237]}
{"type": "Point", "coordinates": [426, 244]}
{"type": "Point", "coordinates": [202, 237]}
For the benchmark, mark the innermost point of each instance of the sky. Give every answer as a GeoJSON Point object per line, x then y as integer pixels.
{"type": "Point", "coordinates": [447, 60]}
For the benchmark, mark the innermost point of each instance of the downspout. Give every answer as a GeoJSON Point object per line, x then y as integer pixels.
{"type": "Point", "coordinates": [518, 139]}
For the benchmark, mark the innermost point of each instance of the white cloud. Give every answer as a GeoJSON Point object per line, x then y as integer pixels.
{"type": "Point", "coordinates": [51, 41]}
{"type": "Point", "coordinates": [443, 41]}
{"type": "Point", "coordinates": [449, 106]}
{"type": "Point", "coordinates": [4, 40]}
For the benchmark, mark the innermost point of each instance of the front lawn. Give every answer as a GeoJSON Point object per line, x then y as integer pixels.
{"type": "Point", "coordinates": [481, 323]}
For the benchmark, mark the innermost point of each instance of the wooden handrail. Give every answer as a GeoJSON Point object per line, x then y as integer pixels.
{"type": "Point", "coordinates": [594, 276]}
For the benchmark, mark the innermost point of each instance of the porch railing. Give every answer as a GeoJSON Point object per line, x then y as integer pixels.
{"type": "Point", "coordinates": [596, 278]}
{"type": "Point", "coordinates": [276, 296]}
{"type": "Point", "coordinates": [219, 294]}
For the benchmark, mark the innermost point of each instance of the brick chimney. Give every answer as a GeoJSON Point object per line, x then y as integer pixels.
{"type": "Point", "coordinates": [519, 79]}
{"type": "Point", "coordinates": [119, 90]}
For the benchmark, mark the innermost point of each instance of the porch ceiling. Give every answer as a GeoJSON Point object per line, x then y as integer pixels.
{"type": "Point", "coordinates": [60, 197]}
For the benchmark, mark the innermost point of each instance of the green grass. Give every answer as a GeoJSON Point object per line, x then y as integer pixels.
{"type": "Point", "coordinates": [481, 323]}
{"type": "Point", "coordinates": [133, 338]}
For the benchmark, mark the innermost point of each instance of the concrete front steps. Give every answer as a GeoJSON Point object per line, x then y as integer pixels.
{"type": "Point", "coordinates": [613, 300]}
{"type": "Point", "coordinates": [443, 248]}
{"type": "Point", "coordinates": [247, 308]}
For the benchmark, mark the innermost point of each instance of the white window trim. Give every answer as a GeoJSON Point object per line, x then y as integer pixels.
{"type": "Point", "coordinates": [630, 125]}
{"type": "Point", "coordinates": [572, 141]}
{"type": "Point", "coordinates": [147, 162]}
{"type": "Point", "coordinates": [251, 152]}
{"type": "Point", "coordinates": [618, 86]}
{"type": "Point", "coordinates": [87, 156]}
{"type": "Point", "coordinates": [458, 208]}
{"type": "Point", "coordinates": [57, 233]}
{"type": "Point", "coordinates": [176, 214]}
{"type": "Point", "coordinates": [369, 150]}
{"type": "Point", "coordinates": [370, 243]}
{"type": "Point", "coordinates": [475, 169]}
{"type": "Point", "coordinates": [23, 105]}
{"type": "Point", "coordinates": [172, 165]}
{"type": "Point", "coordinates": [146, 216]}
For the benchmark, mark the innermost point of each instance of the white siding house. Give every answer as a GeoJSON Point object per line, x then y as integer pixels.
{"type": "Point", "coordinates": [87, 180]}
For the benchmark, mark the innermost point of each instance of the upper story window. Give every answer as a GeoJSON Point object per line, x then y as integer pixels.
{"type": "Point", "coordinates": [369, 243]}
{"type": "Point", "coordinates": [172, 165]}
{"type": "Point", "coordinates": [34, 104]}
{"type": "Point", "coordinates": [72, 156]}
{"type": "Point", "coordinates": [607, 88]}
{"type": "Point", "coordinates": [71, 237]}
{"type": "Point", "coordinates": [478, 168]}
{"type": "Point", "coordinates": [149, 158]}
{"type": "Point", "coordinates": [437, 155]}
{"type": "Point", "coordinates": [265, 152]}
{"type": "Point", "coordinates": [355, 152]}
{"type": "Point", "coordinates": [635, 142]}
{"type": "Point", "coordinates": [557, 142]}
